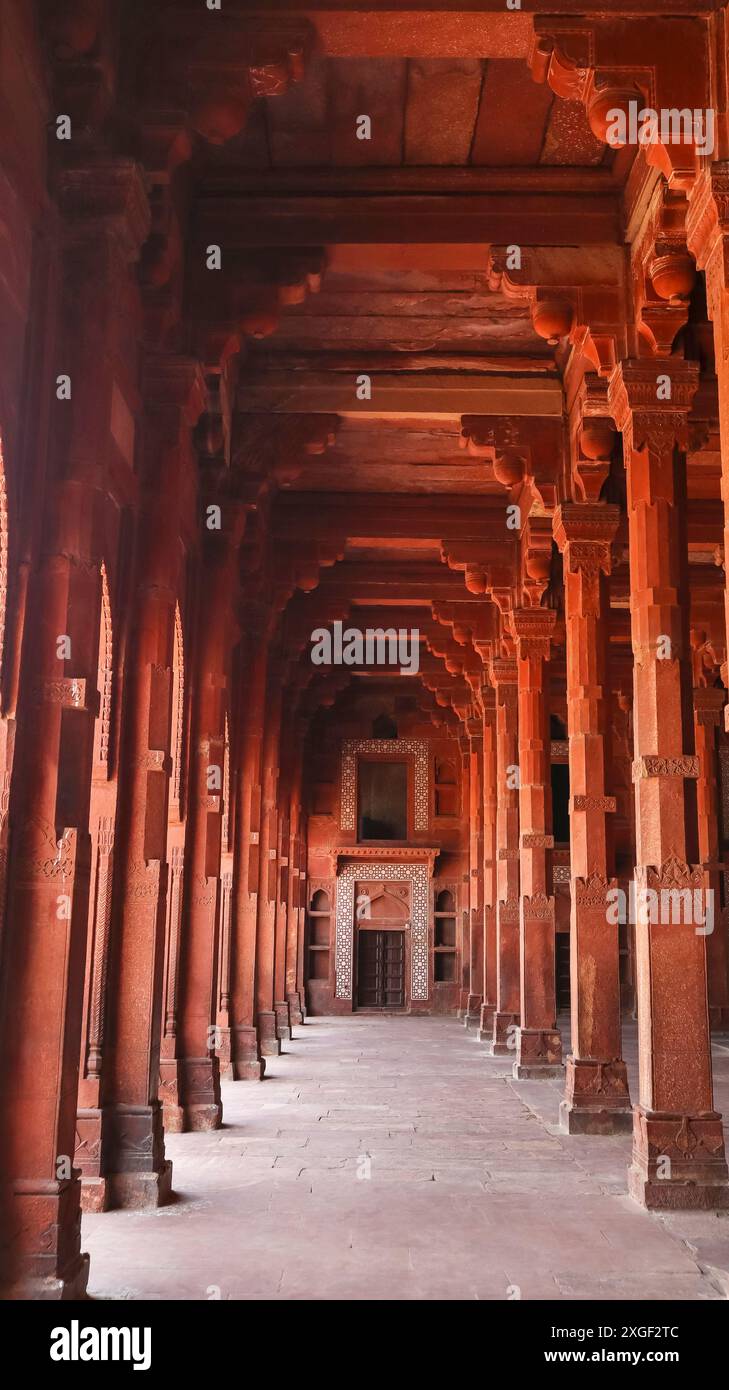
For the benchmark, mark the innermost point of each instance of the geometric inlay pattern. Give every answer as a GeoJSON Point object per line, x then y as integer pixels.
{"type": "Point", "coordinates": [415, 748]}
{"type": "Point", "coordinates": [419, 874]}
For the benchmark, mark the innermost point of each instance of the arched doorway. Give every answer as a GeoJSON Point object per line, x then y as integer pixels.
{"type": "Point", "coordinates": [382, 924]}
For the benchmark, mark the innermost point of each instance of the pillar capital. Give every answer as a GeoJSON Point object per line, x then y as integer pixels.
{"type": "Point", "coordinates": [709, 702]}
{"type": "Point", "coordinates": [584, 532]}
{"type": "Point", "coordinates": [105, 199]}
{"type": "Point", "coordinates": [175, 384]}
{"type": "Point", "coordinates": [533, 629]}
{"type": "Point", "coordinates": [649, 418]}
{"type": "Point", "coordinates": [503, 672]}
{"type": "Point", "coordinates": [707, 229]}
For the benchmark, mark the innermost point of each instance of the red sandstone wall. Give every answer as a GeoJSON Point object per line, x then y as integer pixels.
{"type": "Point", "coordinates": [446, 832]}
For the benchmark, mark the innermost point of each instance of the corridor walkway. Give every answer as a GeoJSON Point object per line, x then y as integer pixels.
{"type": "Point", "coordinates": [390, 1158]}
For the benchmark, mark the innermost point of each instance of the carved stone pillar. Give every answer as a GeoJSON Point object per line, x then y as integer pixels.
{"type": "Point", "coordinates": [45, 933]}
{"type": "Point", "coordinates": [503, 674]}
{"type": "Point", "coordinates": [708, 709]}
{"type": "Point", "coordinates": [246, 1063]}
{"type": "Point", "coordinates": [596, 1095]}
{"type": "Point", "coordinates": [170, 1090]}
{"type": "Point", "coordinates": [488, 1006]}
{"type": "Point", "coordinates": [104, 220]}
{"type": "Point", "coordinates": [133, 1155]}
{"type": "Point", "coordinates": [281, 890]}
{"type": "Point", "coordinates": [199, 1075]}
{"type": "Point", "coordinates": [707, 238]}
{"type": "Point", "coordinates": [295, 1002]}
{"type": "Point", "coordinates": [678, 1147]}
{"type": "Point", "coordinates": [472, 1017]}
{"type": "Point", "coordinates": [268, 1032]}
{"type": "Point", "coordinates": [301, 923]}
{"type": "Point", "coordinates": [539, 1046]}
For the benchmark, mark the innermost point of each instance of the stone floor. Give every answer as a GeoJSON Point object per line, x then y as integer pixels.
{"type": "Point", "coordinates": [388, 1157]}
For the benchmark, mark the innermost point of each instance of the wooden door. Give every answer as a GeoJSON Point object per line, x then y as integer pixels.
{"type": "Point", "coordinates": [381, 969]}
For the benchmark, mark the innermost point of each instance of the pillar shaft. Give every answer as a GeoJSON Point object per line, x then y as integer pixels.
{"type": "Point", "coordinates": [472, 1017]}
{"type": "Point", "coordinates": [198, 1066]}
{"type": "Point", "coordinates": [678, 1149]}
{"type": "Point", "coordinates": [132, 1140]}
{"type": "Point", "coordinates": [488, 1006]}
{"type": "Point", "coordinates": [246, 1062]}
{"type": "Point", "coordinates": [268, 1033]}
{"type": "Point", "coordinates": [45, 898]}
{"type": "Point", "coordinates": [44, 941]}
{"type": "Point", "coordinates": [539, 1048]}
{"type": "Point", "coordinates": [708, 710]}
{"type": "Point", "coordinates": [596, 1095]}
{"type": "Point", "coordinates": [506, 1016]}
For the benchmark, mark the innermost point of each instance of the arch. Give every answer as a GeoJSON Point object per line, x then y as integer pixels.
{"type": "Point", "coordinates": [444, 901]}
{"type": "Point", "coordinates": [320, 901]}
{"type": "Point", "coordinates": [385, 907]}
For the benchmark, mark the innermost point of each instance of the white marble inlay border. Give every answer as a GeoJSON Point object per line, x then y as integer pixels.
{"type": "Point", "coordinates": [385, 748]}
{"type": "Point", "coordinates": [419, 875]}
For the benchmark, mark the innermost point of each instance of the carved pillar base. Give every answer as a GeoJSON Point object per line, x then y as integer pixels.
{"type": "Point", "coordinates": [283, 1019]}
{"type": "Point", "coordinates": [202, 1108]}
{"type": "Point", "coordinates": [246, 1063]}
{"type": "Point", "coordinates": [87, 1158]}
{"type": "Point", "coordinates": [597, 1099]}
{"type": "Point", "coordinates": [268, 1038]}
{"type": "Point", "coordinates": [170, 1093]}
{"type": "Point", "coordinates": [296, 1013]}
{"type": "Point", "coordinates": [45, 1261]}
{"type": "Point", "coordinates": [486, 1023]}
{"type": "Point", "coordinates": [472, 1016]}
{"type": "Point", "coordinates": [138, 1175]}
{"type": "Point", "coordinates": [503, 1037]}
{"type": "Point", "coordinates": [678, 1163]}
{"type": "Point", "coordinates": [538, 1054]}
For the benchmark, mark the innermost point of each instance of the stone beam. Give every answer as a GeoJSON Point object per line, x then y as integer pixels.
{"type": "Point", "coordinates": [419, 393]}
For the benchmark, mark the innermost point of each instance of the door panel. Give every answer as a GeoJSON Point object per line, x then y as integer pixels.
{"type": "Point", "coordinates": [381, 969]}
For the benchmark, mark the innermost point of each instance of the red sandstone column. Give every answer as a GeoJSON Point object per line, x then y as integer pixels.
{"type": "Point", "coordinates": [137, 1172]}
{"type": "Point", "coordinates": [246, 1062]}
{"type": "Point", "coordinates": [268, 1033]}
{"type": "Point", "coordinates": [678, 1147]}
{"type": "Point", "coordinates": [301, 914]}
{"type": "Point", "coordinates": [46, 894]}
{"type": "Point", "coordinates": [199, 1075]}
{"type": "Point", "coordinates": [294, 894]}
{"type": "Point", "coordinates": [464, 925]}
{"type": "Point", "coordinates": [708, 709]}
{"type": "Point", "coordinates": [596, 1094]}
{"type": "Point", "coordinates": [472, 1017]}
{"type": "Point", "coordinates": [539, 1046]}
{"type": "Point", "coordinates": [44, 942]}
{"type": "Point", "coordinates": [503, 673]}
{"type": "Point", "coordinates": [281, 908]}
{"type": "Point", "coordinates": [488, 1006]}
